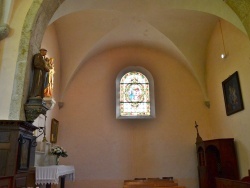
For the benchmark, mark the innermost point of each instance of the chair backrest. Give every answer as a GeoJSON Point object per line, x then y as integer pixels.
{"type": "Point", "coordinates": [247, 178]}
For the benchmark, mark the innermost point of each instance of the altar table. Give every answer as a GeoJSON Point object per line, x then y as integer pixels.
{"type": "Point", "coordinates": [52, 174]}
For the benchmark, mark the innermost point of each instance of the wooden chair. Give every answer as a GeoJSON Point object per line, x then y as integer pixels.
{"type": "Point", "coordinates": [247, 178]}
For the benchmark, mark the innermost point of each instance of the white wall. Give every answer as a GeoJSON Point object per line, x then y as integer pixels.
{"type": "Point", "coordinates": [104, 150]}
{"type": "Point", "coordinates": [236, 125]}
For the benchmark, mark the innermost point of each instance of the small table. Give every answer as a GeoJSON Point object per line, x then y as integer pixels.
{"type": "Point", "coordinates": [52, 174]}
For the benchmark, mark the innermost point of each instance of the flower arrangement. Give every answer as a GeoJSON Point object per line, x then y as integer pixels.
{"type": "Point", "coordinates": [58, 152]}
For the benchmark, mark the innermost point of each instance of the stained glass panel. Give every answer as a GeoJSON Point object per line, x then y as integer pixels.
{"type": "Point", "coordinates": [134, 95]}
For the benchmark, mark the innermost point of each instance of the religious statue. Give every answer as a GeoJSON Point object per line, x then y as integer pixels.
{"type": "Point", "coordinates": [41, 87]}
{"type": "Point", "coordinates": [40, 69]}
{"type": "Point", "coordinates": [48, 91]}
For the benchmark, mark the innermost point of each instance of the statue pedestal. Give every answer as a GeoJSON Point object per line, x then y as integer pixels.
{"type": "Point", "coordinates": [49, 102]}
{"type": "Point", "coordinates": [34, 108]}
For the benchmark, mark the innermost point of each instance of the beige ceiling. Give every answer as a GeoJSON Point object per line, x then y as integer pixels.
{"type": "Point", "coordinates": [181, 28]}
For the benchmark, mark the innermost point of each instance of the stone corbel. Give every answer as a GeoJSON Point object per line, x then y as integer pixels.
{"type": "Point", "coordinates": [49, 102]}
{"type": "Point", "coordinates": [34, 108]}
{"type": "Point", "coordinates": [60, 104]}
{"type": "Point", "coordinates": [207, 103]}
{"type": "Point", "coordinates": [4, 31]}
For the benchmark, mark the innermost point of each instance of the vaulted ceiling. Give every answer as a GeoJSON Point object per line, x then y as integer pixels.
{"type": "Point", "coordinates": [181, 28]}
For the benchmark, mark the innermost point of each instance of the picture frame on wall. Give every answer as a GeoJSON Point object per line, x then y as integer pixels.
{"type": "Point", "coordinates": [54, 130]}
{"type": "Point", "coordinates": [232, 94]}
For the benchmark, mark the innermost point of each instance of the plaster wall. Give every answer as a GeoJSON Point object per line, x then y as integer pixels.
{"type": "Point", "coordinates": [7, 61]}
{"type": "Point", "coordinates": [236, 125]}
{"type": "Point", "coordinates": [105, 151]}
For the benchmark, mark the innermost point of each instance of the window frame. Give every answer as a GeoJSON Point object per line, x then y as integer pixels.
{"type": "Point", "coordinates": [148, 75]}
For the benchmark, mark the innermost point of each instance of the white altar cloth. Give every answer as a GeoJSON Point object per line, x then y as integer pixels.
{"type": "Point", "coordinates": [51, 174]}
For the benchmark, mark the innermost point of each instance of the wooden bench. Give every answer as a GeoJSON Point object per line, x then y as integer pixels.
{"type": "Point", "coordinates": [151, 183]}
{"type": "Point", "coordinates": [227, 183]}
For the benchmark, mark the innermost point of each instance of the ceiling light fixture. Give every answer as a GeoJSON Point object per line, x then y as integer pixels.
{"type": "Point", "coordinates": [225, 54]}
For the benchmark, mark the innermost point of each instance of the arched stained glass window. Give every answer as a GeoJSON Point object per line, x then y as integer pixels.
{"type": "Point", "coordinates": [135, 95]}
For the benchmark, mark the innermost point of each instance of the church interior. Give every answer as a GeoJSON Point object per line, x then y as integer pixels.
{"type": "Point", "coordinates": [195, 50]}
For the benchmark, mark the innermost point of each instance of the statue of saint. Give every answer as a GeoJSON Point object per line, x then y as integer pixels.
{"type": "Point", "coordinates": [39, 74]}
{"type": "Point", "coordinates": [48, 91]}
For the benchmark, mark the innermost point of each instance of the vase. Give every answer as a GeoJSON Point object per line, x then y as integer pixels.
{"type": "Point", "coordinates": [57, 160]}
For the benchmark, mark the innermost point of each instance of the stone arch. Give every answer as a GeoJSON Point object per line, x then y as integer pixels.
{"type": "Point", "coordinates": [33, 30]}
